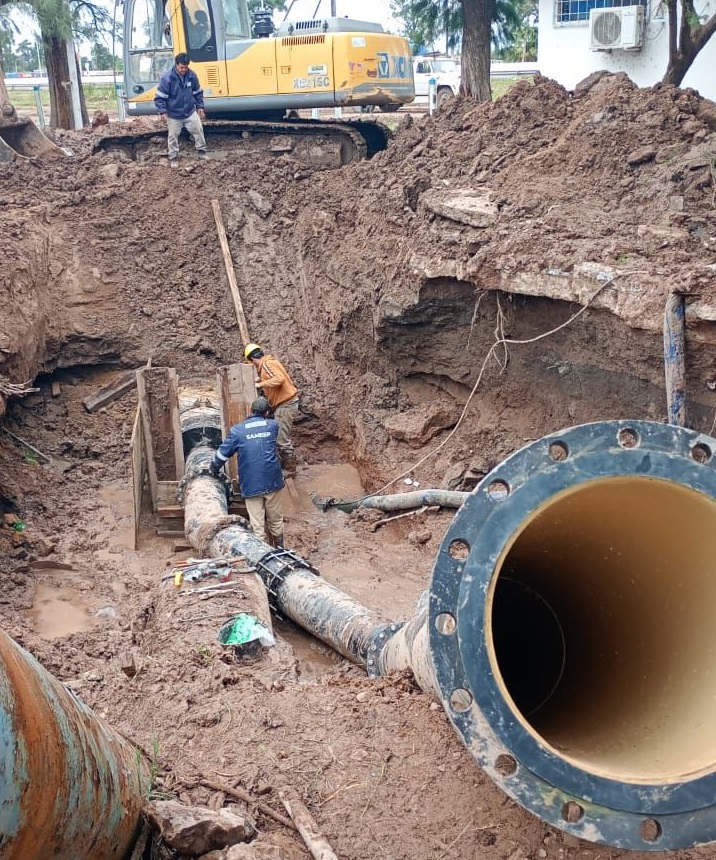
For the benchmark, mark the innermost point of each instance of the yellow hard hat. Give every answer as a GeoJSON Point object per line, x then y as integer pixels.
{"type": "Point", "coordinates": [249, 348]}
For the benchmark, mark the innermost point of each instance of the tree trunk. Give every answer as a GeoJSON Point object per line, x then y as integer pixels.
{"type": "Point", "coordinates": [58, 76]}
{"type": "Point", "coordinates": [7, 111]}
{"type": "Point", "coordinates": [476, 43]}
{"type": "Point", "coordinates": [686, 39]}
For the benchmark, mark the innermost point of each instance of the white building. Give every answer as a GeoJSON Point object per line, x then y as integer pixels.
{"type": "Point", "coordinates": [633, 38]}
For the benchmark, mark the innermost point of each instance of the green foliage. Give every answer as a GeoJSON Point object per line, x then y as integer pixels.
{"type": "Point", "coordinates": [54, 18]}
{"type": "Point", "coordinates": [101, 57]}
{"type": "Point", "coordinates": [30, 457]}
{"type": "Point", "coordinates": [514, 33]}
{"type": "Point", "coordinates": [425, 20]}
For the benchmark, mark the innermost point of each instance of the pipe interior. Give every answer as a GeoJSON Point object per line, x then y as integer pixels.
{"type": "Point", "coordinates": [602, 628]}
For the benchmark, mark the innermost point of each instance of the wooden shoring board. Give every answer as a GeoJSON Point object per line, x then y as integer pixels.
{"type": "Point", "coordinates": [158, 391]}
{"type": "Point", "coordinates": [236, 391]}
{"type": "Point", "coordinates": [139, 468]}
{"type": "Point", "coordinates": [112, 391]}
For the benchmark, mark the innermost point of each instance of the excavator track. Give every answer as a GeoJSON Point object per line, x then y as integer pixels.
{"type": "Point", "coordinates": [321, 145]}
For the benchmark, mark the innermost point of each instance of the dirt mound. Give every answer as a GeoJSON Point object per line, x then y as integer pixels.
{"type": "Point", "coordinates": [385, 288]}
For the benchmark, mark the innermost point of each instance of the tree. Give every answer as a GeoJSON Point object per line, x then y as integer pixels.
{"type": "Point", "coordinates": [101, 57]}
{"type": "Point", "coordinates": [27, 53]}
{"type": "Point", "coordinates": [515, 37]}
{"type": "Point", "coordinates": [469, 21]}
{"type": "Point", "coordinates": [425, 20]}
{"type": "Point", "coordinates": [7, 39]}
{"type": "Point", "coordinates": [687, 37]}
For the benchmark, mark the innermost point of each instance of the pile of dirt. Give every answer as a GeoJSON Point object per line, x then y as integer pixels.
{"type": "Point", "coordinates": [384, 287]}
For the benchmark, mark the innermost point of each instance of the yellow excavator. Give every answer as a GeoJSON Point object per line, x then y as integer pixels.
{"type": "Point", "coordinates": [256, 77]}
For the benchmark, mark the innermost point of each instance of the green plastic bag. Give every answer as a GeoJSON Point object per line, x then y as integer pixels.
{"type": "Point", "coordinates": [243, 629]}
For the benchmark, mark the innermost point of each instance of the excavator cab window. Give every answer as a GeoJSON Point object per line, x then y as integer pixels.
{"type": "Point", "coordinates": [149, 39]}
{"type": "Point", "coordinates": [148, 25]}
{"type": "Point", "coordinates": [236, 19]}
{"type": "Point", "coordinates": [200, 31]}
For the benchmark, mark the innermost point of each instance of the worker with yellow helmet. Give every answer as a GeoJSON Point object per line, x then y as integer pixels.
{"type": "Point", "coordinates": [282, 394]}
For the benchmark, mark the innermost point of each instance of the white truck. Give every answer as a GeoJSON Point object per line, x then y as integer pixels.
{"type": "Point", "coordinates": [445, 71]}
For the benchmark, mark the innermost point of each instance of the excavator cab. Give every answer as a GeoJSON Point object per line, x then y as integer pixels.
{"type": "Point", "coordinates": [246, 71]}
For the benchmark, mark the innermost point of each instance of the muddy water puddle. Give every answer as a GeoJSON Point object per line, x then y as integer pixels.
{"type": "Point", "coordinates": [59, 612]}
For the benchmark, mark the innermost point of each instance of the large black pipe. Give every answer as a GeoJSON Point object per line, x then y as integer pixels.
{"type": "Point", "coordinates": [572, 634]}
{"type": "Point", "coordinates": [569, 628]}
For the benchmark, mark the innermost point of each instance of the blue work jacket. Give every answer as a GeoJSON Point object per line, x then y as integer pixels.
{"type": "Point", "coordinates": [254, 443]}
{"type": "Point", "coordinates": [178, 97]}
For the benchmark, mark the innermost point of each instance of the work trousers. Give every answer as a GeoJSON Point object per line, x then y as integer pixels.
{"type": "Point", "coordinates": [285, 414]}
{"type": "Point", "coordinates": [265, 514]}
{"type": "Point", "coordinates": [193, 125]}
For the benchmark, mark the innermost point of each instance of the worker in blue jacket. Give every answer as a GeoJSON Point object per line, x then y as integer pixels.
{"type": "Point", "coordinates": [260, 476]}
{"type": "Point", "coordinates": [180, 102]}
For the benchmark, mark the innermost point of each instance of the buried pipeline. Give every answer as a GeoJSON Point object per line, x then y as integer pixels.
{"type": "Point", "coordinates": [568, 627]}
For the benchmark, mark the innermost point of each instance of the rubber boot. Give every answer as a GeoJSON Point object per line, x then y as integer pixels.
{"type": "Point", "coordinates": [278, 541]}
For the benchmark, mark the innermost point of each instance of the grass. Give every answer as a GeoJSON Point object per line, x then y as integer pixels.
{"type": "Point", "coordinates": [97, 97]}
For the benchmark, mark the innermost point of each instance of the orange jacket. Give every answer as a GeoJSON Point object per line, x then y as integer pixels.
{"type": "Point", "coordinates": [275, 381]}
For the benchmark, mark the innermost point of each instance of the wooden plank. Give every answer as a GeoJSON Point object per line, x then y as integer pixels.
{"type": "Point", "coordinates": [159, 402]}
{"type": "Point", "coordinates": [167, 493]}
{"type": "Point", "coordinates": [56, 389]}
{"type": "Point", "coordinates": [235, 391]}
{"type": "Point", "coordinates": [112, 391]}
{"type": "Point", "coordinates": [168, 511]}
{"type": "Point", "coordinates": [144, 412]}
{"type": "Point", "coordinates": [230, 274]}
{"type": "Point", "coordinates": [138, 459]}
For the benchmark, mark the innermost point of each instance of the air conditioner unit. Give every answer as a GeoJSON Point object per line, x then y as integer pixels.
{"type": "Point", "coordinates": [616, 28]}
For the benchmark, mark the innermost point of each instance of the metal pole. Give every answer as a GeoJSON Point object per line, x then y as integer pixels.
{"type": "Point", "coordinates": [39, 105]}
{"type": "Point", "coordinates": [74, 83]}
{"type": "Point", "coordinates": [432, 96]}
{"type": "Point", "coordinates": [121, 106]}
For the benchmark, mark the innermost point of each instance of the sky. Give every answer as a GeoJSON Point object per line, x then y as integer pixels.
{"type": "Point", "coordinates": [363, 10]}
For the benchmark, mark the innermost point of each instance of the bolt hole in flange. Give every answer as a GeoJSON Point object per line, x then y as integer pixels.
{"type": "Point", "coordinates": [498, 490]}
{"type": "Point", "coordinates": [558, 451]}
{"type": "Point", "coordinates": [446, 624]}
{"type": "Point", "coordinates": [572, 812]}
{"type": "Point", "coordinates": [460, 700]}
{"type": "Point", "coordinates": [650, 830]}
{"type": "Point", "coordinates": [628, 438]}
{"type": "Point", "coordinates": [701, 453]}
{"type": "Point", "coordinates": [459, 550]}
{"type": "Point", "coordinates": [505, 764]}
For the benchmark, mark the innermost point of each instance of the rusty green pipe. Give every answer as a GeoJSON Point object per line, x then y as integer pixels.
{"type": "Point", "coordinates": [71, 787]}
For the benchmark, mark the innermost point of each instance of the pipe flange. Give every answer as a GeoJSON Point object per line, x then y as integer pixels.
{"type": "Point", "coordinates": [543, 758]}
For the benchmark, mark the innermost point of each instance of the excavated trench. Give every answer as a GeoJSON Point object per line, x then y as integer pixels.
{"type": "Point", "coordinates": [387, 308]}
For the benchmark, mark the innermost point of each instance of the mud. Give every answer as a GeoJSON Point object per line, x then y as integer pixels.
{"type": "Point", "coordinates": [400, 292]}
